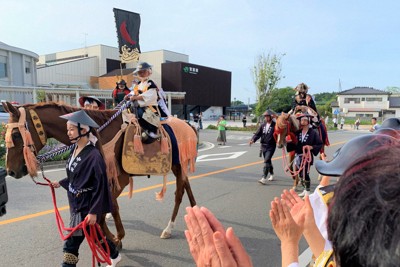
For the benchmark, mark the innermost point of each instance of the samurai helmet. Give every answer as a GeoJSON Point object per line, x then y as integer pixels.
{"type": "Point", "coordinates": [353, 151]}
{"type": "Point", "coordinates": [122, 81]}
{"type": "Point", "coordinates": [269, 112]}
{"type": "Point", "coordinates": [80, 117]}
{"type": "Point", "coordinates": [142, 66]}
{"type": "Point", "coordinates": [302, 88]}
{"type": "Point", "coordinates": [91, 99]}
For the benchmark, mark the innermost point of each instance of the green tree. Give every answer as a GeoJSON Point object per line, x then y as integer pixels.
{"type": "Point", "coordinates": [266, 75]}
{"type": "Point", "coordinates": [393, 89]}
{"type": "Point", "coordinates": [279, 100]}
{"type": "Point", "coordinates": [323, 102]}
{"type": "Point", "coordinates": [41, 96]}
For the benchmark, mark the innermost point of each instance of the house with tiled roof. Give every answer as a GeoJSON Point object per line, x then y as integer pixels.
{"type": "Point", "coordinates": [366, 102]}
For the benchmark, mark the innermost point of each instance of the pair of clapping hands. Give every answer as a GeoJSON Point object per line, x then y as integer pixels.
{"type": "Point", "coordinates": [211, 245]}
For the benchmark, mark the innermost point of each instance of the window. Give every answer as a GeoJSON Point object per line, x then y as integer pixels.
{"type": "Point", "coordinates": [27, 67]}
{"type": "Point", "coordinates": [373, 99]}
{"type": "Point", "coordinates": [3, 66]}
{"type": "Point", "coordinates": [347, 100]}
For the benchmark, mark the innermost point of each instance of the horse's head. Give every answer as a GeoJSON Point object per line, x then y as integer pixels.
{"type": "Point", "coordinates": [19, 144]}
{"type": "Point", "coordinates": [285, 125]}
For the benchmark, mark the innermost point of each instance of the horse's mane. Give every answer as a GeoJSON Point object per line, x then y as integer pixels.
{"type": "Point", "coordinates": [294, 122]}
{"type": "Point", "coordinates": [100, 114]}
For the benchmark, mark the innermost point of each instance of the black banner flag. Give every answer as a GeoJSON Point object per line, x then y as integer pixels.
{"type": "Point", "coordinates": [128, 25]}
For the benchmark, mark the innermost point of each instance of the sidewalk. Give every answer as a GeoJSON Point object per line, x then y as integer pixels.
{"type": "Point", "coordinates": [237, 123]}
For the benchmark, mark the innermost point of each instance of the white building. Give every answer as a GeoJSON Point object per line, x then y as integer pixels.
{"type": "Point", "coordinates": [366, 102]}
{"type": "Point", "coordinates": [17, 66]}
{"type": "Point", "coordinates": [82, 67]}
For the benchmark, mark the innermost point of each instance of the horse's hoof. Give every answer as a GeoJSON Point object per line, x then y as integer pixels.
{"type": "Point", "coordinates": [165, 235]}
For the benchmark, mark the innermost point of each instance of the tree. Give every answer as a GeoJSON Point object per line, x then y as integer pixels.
{"type": "Point", "coordinates": [279, 100]}
{"type": "Point", "coordinates": [266, 75]}
{"type": "Point", "coordinates": [393, 89]}
{"type": "Point", "coordinates": [323, 102]}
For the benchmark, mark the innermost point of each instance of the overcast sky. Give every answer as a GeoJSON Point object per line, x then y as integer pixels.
{"type": "Point", "coordinates": [324, 41]}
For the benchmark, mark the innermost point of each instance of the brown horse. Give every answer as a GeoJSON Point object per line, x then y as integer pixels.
{"type": "Point", "coordinates": [54, 127]}
{"type": "Point", "coordinates": [287, 125]}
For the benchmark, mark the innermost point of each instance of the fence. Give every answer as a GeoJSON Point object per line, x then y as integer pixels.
{"type": "Point", "coordinates": [70, 96]}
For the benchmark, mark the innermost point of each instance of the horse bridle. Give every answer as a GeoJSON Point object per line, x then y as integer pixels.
{"type": "Point", "coordinates": [29, 149]}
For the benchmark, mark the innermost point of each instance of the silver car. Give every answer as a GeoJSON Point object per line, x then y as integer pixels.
{"type": "Point", "coordinates": [3, 115]}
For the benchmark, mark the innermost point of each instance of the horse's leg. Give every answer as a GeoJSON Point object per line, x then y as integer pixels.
{"type": "Point", "coordinates": [180, 190]}
{"type": "Point", "coordinates": [118, 224]}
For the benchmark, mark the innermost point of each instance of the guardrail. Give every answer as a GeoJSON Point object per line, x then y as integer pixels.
{"type": "Point", "coordinates": [24, 95]}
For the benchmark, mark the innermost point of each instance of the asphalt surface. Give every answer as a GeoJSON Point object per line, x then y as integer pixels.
{"type": "Point", "coordinates": [225, 181]}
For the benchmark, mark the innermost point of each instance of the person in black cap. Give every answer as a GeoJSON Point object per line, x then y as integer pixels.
{"type": "Point", "coordinates": [309, 139]}
{"type": "Point", "coordinates": [120, 91]}
{"type": "Point", "coordinates": [145, 93]}
{"type": "Point", "coordinates": [91, 102]}
{"type": "Point", "coordinates": [87, 185]}
{"type": "Point", "coordinates": [268, 144]}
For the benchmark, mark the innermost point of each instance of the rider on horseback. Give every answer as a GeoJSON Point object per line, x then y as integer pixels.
{"type": "Point", "coordinates": [145, 93]}
{"type": "Point", "coordinates": [304, 102]}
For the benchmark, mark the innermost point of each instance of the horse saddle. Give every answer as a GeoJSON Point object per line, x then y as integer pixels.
{"type": "Point", "coordinates": [149, 160]}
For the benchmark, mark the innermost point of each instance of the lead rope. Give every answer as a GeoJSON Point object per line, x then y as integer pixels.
{"type": "Point", "coordinates": [96, 243]}
{"type": "Point", "coordinates": [305, 159]}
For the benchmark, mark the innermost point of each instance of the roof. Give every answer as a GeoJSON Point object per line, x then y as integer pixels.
{"type": "Point", "coordinates": [363, 91]}
{"type": "Point", "coordinates": [394, 102]}
{"type": "Point", "coordinates": [365, 109]}
{"type": "Point", "coordinates": [4, 46]}
{"type": "Point", "coordinates": [117, 72]}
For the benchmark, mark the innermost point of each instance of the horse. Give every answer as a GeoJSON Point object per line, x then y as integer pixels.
{"type": "Point", "coordinates": [286, 126]}
{"type": "Point", "coordinates": [52, 126]}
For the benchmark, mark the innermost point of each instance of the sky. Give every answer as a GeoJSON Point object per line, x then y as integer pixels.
{"type": "Point", "coordinates": [329, 45]}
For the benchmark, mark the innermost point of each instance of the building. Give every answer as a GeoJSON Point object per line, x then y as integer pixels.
{"type": "Point", "coordinates": [67, 75]}
{"type": "Point", "coordinates": [208, 90]}
{"type": "Point", "coordinates": [17, 66]}
{"type": "Point", "coordinates": [366, 102]}
{"type": "Point", "coordinates": [96, 67]}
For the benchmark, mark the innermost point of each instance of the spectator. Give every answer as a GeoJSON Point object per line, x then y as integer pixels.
{"type": "Point", "coordinates": [196, 120]}
{"type": "Point", "coordinates": [334, 120]}
{"type": "Point", "coordinates": [244, 120]}
{"type": "Point", "coordinates": [374, 126]}
{"type": "Point", "coordinates": [201, 121]}
{"type": "Point", "coordinates": [341, 123]}
{"type": "Point", "coordinates": [357, 123]}
{"type": "Point", "coordinates": [221, 124]}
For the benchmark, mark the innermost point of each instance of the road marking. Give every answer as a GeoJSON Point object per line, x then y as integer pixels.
{"type": "Point", "coordinates": [220, 156]}
{"type": "Point", "coordinates": [31, 216]}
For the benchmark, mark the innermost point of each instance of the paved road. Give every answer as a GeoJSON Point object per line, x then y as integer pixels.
{"type": "Point", "coordinates": [225, 181]}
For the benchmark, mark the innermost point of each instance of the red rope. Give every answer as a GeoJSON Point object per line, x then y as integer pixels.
{"type": "Point", "coordinates": [99, 254]}
{"type": "Point", "coordinates": [305, 159]}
